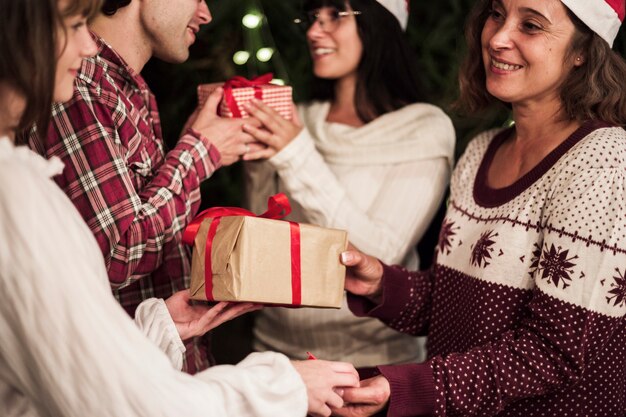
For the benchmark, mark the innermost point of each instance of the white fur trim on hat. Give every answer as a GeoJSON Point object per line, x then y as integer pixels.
{"type": "Point", "coordinates": [598, 15]}
{"type": "Point", "coordinates": [399, 8]}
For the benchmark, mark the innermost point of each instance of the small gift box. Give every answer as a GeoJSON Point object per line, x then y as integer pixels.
{"type": "Point", "coordinates": [239, 90]}
{"type": "Point", "coordinates": [241, 257]}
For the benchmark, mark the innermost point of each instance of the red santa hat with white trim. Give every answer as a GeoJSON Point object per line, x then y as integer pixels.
{"type": "Point", "coordinates": [399, 8]}
{"type": "Point", "coordinates": [604, 17]}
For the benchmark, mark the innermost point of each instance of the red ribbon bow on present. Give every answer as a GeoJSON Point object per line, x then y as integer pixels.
{"type": "Point", "coordinates": [277, 207]}
{"type": "Point", "coordinates": [239, 82]}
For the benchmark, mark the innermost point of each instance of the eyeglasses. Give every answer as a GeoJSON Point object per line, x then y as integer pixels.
{"type": "Point", "coordinates": [328, 18]}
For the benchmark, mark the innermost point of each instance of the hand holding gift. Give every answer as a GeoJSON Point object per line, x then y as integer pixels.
{"type": "Point", "coordinates": [226, 134]}
{"type": "Point", "coordinates": [364, 274]}
{"type": "Point", "coordinates": [238, 91]}
{"type": "Point", "coordinates": [196, 320]}
{"type": "Point", "coordinates": [237, 94]}
{"type": "Point", "coordinates": [277, 132]}
{"type": "Point", "coordinates": [241, 257]}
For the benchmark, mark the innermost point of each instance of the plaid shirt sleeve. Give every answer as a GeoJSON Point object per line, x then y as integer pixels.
{"type": "Point", "coordinates": [135, 199]}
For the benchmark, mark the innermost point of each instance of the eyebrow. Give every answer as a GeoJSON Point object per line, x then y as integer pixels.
{"type": "Point", "coordinates": [536, 13]}
{"type": "Point", "coordinates": [525, 10]}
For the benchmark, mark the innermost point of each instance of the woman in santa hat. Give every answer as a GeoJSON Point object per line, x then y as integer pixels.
{"type": "Point", "coordinates": [367, 155]}
{"type": "Point", "coordinates": [525, 307]}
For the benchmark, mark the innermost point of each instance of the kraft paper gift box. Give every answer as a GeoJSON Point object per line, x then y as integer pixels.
{"type": "Point", "coordinates": [238, 91]}
{"type": "Point", "coordinates": [254, 259]}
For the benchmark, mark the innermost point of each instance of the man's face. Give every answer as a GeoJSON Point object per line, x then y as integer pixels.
{"type": "Point", "coordinates": [171, 26]}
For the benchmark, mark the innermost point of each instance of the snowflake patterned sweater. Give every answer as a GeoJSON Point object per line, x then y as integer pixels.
{"type": "Point", "coordinates": [525, 305]}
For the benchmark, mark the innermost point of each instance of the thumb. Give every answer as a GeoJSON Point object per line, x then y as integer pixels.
{"type": "Point", "coordinates": [351, 257]}
{"type": "Point", "coordinates": [212, 102]}
{"type": "Point", "coordinates": [185, 295]}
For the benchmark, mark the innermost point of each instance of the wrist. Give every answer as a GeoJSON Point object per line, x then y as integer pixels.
{"type": "Point", "coordinates": [376, 295]}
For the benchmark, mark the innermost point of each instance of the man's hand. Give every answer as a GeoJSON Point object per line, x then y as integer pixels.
{"type": "Point", "coordinates": [324, 382]}
{"type": "Point", "coordinates": [226, 134]}
{"type": "Point", "coordinates": [370, 398]}
{"type": "Point", "coordinates": [196, 320]}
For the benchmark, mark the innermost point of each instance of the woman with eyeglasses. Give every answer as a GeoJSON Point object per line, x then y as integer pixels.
{"type": "Point", "coordinates": [366, 155]}
{"type": "Point", "coordinates": [67, 348]}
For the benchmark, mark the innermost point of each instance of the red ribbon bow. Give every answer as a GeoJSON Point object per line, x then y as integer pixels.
{"type": "Point", "coordinates": [277, 207]}
{"type": "Point", "coordinates": [239, 82]}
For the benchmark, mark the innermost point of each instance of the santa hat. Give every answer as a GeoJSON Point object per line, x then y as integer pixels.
{"type": "Point", "coordinates": [604, 17]}
{"type": "Point", "coordinates": [399, 8]}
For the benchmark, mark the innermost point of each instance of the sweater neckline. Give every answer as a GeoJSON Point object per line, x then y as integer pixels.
{"type": "Point", "coordinates": [416, 132]}
{"type": "Point", "coordinates": [489, 197]}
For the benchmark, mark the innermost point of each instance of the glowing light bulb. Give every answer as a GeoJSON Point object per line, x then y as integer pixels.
{"type": "Point", "coordinates": [264, 54]}
{"type": "Point", "coordinates": [252, 20]}
{"type": "Point", "coordinates": [241, 57]}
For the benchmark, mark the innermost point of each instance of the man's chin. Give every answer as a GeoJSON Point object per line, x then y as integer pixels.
{"type": "Point", "coordinates": [173, 57]}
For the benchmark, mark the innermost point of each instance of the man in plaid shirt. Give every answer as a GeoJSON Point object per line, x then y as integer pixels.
{"type": "Point", "coordinates": [136, 198]}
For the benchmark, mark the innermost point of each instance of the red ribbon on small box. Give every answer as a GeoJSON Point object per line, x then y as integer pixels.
{"type": "Point", "coordinates": [277, 207]}
{"type": "Point", "coordinates": [239, 82]}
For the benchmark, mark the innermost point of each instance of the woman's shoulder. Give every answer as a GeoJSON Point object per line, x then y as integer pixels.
{"type": "Point", "coordinates": [420, 114]}
{"type": "Point", "coordinates": [425, 109]}
{"type": "Point", "coordinates": [603, 147]}
{"type": "Point", "coordinates": [21, 160]}
{"type": "Point", "coordinates": [25, 175]}
{"type": "Point", "coordinates": [313, 109]}
{"type": "Point", "coordinates": [420, 121]}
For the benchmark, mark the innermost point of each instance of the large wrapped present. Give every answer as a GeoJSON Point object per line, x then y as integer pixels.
{"type": "Point", "coordinates": [239, 90]}
{"type": "Point", "coordinates": [238, 256]}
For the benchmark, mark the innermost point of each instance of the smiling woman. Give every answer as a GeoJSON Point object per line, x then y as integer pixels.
{"type": "Point", "coordinates": [74, 43]}
{"type": "Point", "coordinates": [367, 155]}
{"type": "Point", "coordinates": [592, 91]}
{"type": "Point", "coordinates": [525, 307]}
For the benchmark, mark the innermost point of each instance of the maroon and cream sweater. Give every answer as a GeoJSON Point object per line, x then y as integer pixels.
{"type": "Point", "coordinates": [525, 305]}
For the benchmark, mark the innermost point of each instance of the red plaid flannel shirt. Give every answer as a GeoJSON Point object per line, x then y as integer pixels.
{"type": "Point", "coordinates": [136, 198]}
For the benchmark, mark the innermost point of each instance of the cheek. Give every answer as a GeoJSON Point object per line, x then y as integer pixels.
{"type": "Point", "coordinates": [357, 55]}
{"type": "Point", "coordinates": [487, 34]}
{"type": "Point", "coordinates": [62, 62]}
{"type": "Point", "coordinates": [357, 51]}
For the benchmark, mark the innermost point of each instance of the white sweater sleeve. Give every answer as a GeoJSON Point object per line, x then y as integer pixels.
{"type": "Point", "coordinates": [68, 349]}
{"type": "Point", "coordinates": [400, 214]}
{"type": "Point", "coordinates": [154, 321]}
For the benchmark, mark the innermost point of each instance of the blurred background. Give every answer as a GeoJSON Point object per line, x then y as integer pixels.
{"type": "Point", "coordinates": [252, 37]}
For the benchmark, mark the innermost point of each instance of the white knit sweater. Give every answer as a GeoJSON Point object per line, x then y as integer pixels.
{"type": "Point", "coordinates": [66, 346]}
{"type": "Point", "coordinates": [382, 182]}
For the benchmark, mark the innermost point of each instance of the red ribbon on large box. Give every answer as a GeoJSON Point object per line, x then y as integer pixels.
{"type": "Point", "coordinates": [277, 207]}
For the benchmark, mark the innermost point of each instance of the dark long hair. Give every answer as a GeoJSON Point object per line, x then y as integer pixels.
{"type": "Point", "coordinates": [28, 54]}
{"type": "Point", "coordinates": [111, 6]}
{"type": "Point", "coordinates": [28, 47]}
{"type": "Point", "coordinates": [386, 77]}
{"type": "Point", "coordinates": [593, 91]}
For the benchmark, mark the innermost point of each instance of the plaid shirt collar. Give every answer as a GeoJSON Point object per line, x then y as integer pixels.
{"type": "Point", "coordinates": [108, 61]}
